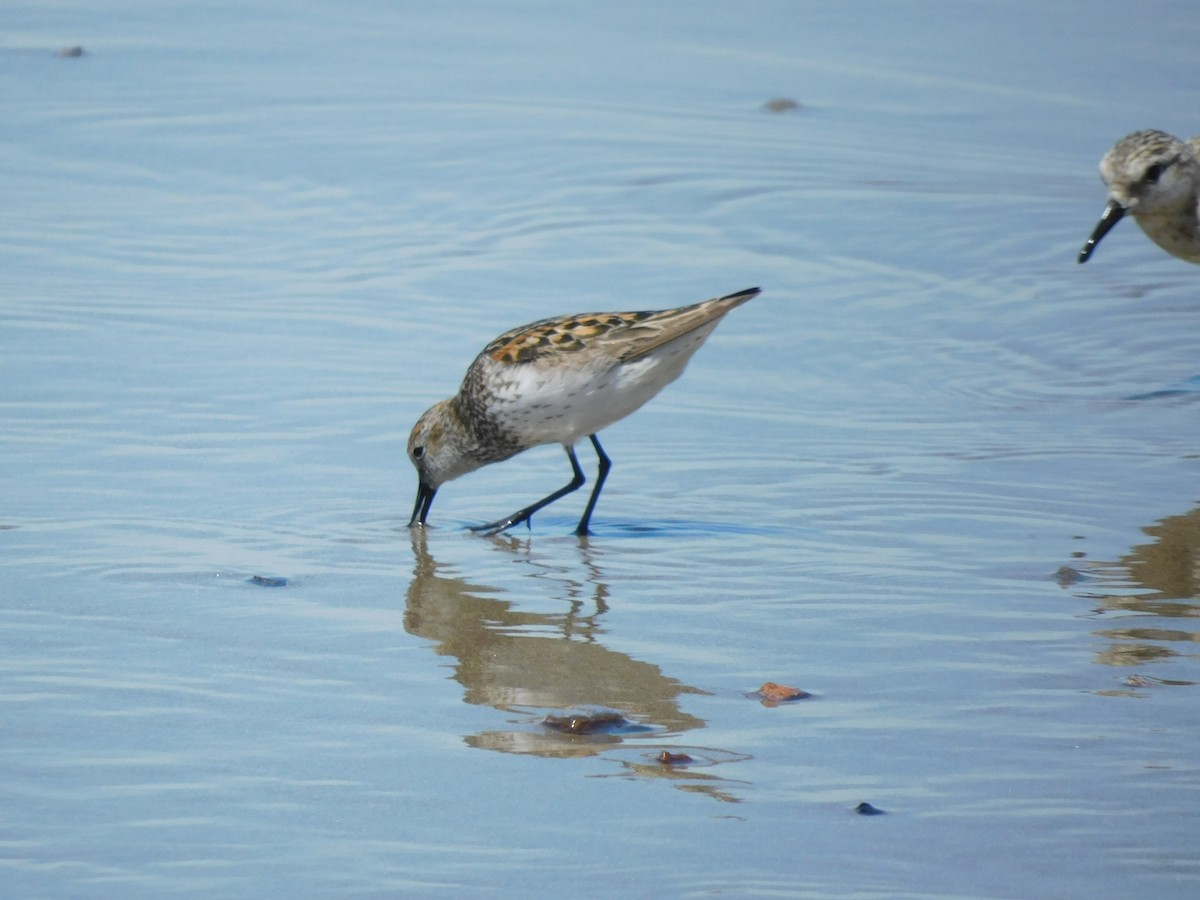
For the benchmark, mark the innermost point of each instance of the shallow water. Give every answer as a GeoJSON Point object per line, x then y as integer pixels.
{"type": "Point", "coordinates": [938, 475]}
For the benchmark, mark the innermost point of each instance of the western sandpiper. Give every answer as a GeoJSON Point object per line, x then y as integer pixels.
{"type": "Point", "coordinates": [1156, 179]}
{"type": "Point", "coordinates": [554, 382]}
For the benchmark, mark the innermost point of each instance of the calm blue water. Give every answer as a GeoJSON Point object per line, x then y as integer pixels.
{"type": "Point", "coordinates": [939, 474]}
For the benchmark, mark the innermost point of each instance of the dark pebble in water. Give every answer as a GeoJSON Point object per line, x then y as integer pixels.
{"type": "Point", "coordinates": [781, 104]}
{"type": "Point", "coordinates": [583, 723]}
{"type": "Point", "coordinates": [70, 52]}
{"type": "Point", "coordinates": [268, 580]}
{"type": "Point", "coordinates": [866, 809]}
{"type": "Point", "coordinates": [673, 759]}
{"type": "Point", "coordinates": [1068, 575]}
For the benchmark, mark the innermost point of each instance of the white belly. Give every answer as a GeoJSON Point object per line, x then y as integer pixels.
{"type": "Point", "coordinates": [559, 404]}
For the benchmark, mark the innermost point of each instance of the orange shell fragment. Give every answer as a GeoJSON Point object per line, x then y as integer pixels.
{"type": "Point", "coordinates": [780, 693]}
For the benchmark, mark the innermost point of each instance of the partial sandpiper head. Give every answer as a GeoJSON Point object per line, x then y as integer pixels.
{"type": "Point", "coordinates": [1155, 178]}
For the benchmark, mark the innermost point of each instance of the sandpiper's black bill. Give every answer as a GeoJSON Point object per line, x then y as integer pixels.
{"type": "Point", "coordinates": [1111, 216]}
{"type": "Point", "coordinates": [425, 495]}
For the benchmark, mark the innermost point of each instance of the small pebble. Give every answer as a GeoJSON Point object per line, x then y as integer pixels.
{"type": "Point", "coordinates": [781, 104]}
{"type": "Point", "coordinates": [780, 693]}
{"type": "Point", "coordinates": [582, 723]}
{"type": "Point", "coordinates": [1068, 575]}
{"type": "Point", "coordinates": [673, 759]}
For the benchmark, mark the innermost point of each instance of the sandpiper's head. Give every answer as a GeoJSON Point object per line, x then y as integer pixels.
{"type": "Point", "coordinates": [1148, 174]}
{"type": "Point", "coordinates": [1148, 171]}
{"type": "Point", "coordinates": [435, 447]}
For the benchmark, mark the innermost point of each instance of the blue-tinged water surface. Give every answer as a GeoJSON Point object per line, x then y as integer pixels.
{"type": "Point", "coordinates": [938, 475]}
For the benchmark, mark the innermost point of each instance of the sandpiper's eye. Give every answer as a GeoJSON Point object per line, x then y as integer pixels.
{"type": "Point", "coordinates": [1154, 173]}
{"type": "Point", "coordinates": [418, 452]}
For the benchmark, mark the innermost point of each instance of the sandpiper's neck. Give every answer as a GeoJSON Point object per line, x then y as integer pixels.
{"type": "Point", "coordinates": [481, 436]}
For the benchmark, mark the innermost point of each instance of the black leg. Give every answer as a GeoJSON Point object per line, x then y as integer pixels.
{"type": "Point", "coordinates": [523, 515]}
{"type": "Point", "coordinates": [601, 474]}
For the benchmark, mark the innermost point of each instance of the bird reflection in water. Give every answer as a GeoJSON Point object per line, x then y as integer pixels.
{"type": "Point", "coordinates": [1154, 594]}
{"type": "Point", "coordinates": [551, 671]}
